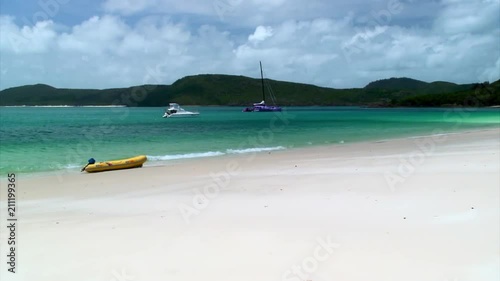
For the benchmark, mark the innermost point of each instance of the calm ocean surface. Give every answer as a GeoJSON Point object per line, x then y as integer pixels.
{"type": "Point", "coordinates": [45, 139]}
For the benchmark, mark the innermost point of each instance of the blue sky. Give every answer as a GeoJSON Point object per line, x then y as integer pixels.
{"type": "Point", "coordinates": [340, 44]}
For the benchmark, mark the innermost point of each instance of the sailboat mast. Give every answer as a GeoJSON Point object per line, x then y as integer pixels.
{"type": "Point", "coordinates": [262, 82]}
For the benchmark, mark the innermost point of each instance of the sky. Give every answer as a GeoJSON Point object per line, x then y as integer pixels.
{"type": "Point", "coordinates": [331, 43]}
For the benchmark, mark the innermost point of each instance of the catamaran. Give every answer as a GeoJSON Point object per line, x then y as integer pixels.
{"type": "Point", "coordinates": [262, 106]}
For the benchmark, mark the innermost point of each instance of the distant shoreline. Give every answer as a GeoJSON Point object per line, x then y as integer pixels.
{"type": "Point", "coordinates": [243, 91]}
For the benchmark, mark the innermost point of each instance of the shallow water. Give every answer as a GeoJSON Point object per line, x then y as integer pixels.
{"type": "Point", "coordinates": [43, 139]}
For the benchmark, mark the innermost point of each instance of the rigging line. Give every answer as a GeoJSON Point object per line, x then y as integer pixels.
{"type": "Point", "coordinates": [271, 93]}
{"type": "Point", "coordinates": [269, 88]}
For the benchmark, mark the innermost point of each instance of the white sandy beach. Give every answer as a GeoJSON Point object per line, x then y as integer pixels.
{"type": "Point", "coordinates": [420, 209]}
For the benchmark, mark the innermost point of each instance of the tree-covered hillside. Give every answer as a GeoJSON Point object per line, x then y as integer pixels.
{"type": "Point", "coordinates": [212, 89]}
{"type": "Point", "coordinates": [481, 94]}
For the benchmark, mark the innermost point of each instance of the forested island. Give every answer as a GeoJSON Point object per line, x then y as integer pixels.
{"type": "Point", "coordinates": [230, 90]}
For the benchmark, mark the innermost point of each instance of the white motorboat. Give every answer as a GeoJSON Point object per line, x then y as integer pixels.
{"type": "Point", "coordinates": [175, 110]}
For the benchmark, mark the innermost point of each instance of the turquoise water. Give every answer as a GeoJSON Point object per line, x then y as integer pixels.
{"type": "Point", "coordinates": [44, 139]}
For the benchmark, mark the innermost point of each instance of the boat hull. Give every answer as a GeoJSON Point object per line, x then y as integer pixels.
{"type": "Point", "coordinates": [262, 109]}
{"type": "Point", "coordinates": [133, 162]}
{"type": "Point", "coordinates": [267, 109]}
{"type": "Point", "coordinates": [180, 115]}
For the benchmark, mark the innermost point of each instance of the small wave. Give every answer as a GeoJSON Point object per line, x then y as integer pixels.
{"type": "Point", "coordinates": [211, 153]}
{"type": "Point", "coordinates": [256, 149]}
{"type": "Point", "coordinates": [185, 156]}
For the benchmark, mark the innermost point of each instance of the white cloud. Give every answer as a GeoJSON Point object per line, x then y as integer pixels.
{"type": "Point", "coordinates": [261, 33]}
{"type": "Point", "coordinates": [247, 13]}
{"type": "Point", "coordinates": [27, 39]}
{"type": "Point", "coordinates": [464, 16]}
{"type": "Point", "coordinates": [96, 35]}
{"type": "Point", "coordinates": [337, 51]}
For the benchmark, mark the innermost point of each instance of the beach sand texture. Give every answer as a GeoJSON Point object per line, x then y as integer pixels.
{"type": "Point", "coordinates": [410, 209]}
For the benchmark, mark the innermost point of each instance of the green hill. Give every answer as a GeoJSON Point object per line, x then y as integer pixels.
{"type": "Point", "coordinates": [480, 94]}
{"type": "Point", "coordinates": [212, 89]}
{"type": "Point", "coordinates": [413, 86]}
{"type": "Point", "coordinates": [397, 84]}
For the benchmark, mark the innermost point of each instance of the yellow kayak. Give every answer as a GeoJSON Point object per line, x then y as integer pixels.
{"type": "Point", "coordinates": [134, 162]}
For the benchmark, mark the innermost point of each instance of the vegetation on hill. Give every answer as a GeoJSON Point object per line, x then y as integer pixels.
{"type": "Point", "coordinates": [481, 94]}
{"type": "Point", "coordinates": [211, 89]}
{"type": "Point", "coordinates": [412, 86]}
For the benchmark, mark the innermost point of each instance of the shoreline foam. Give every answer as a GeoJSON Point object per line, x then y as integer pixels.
{"type": "Point", "coordinates": [173, 159]}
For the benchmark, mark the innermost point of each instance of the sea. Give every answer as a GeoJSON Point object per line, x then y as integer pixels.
{"type": "Point", "coordinates": [40, 140]}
